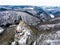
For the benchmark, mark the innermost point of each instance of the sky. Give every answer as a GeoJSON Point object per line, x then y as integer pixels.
{"type": "Point", "coordinates": [31, 2]}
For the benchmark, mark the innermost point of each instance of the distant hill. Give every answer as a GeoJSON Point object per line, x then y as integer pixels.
{"type": "Point", "coordinates": [3, 9]}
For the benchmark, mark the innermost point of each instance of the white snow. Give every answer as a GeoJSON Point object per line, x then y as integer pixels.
{"type": "Point", "coordinates": [52, 16]}
{"type": "Point", "coordinates": [22, 40]}
{"type": "Point", "coordinates": [13, 43]}
{"type": "Point", "coordinates": [18, 28]}
{"type": "Point", "coordinates": [1, 30]}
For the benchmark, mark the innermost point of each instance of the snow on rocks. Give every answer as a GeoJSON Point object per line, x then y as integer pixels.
{"type": "Point", "coordinates": [1, 30]}
{"type": "Point", "coordinates": [23, 32]}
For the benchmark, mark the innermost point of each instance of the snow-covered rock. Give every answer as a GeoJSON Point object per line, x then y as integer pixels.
{"type": "Point", "coordinates": [1, 30]}
{"type": "Point", "coordinates": [23, 34]}
{"type": "Point", "coordinates": [52, 16]}
{"type": "Point", "coordinates": [52, 38]}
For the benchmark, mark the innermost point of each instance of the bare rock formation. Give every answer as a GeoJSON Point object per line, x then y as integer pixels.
{"type": "Point", "coordinates": [24, 35]}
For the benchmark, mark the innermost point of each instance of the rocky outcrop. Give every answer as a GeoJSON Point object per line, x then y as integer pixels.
{"type": "Point", "coordinates": [8, 17]}
{"type": "Point", "coordinates": [24, 35]}
{"type": "Point", "coordinates": [27, 35]}
{"type": "Point", "coordinates": [12, 17]}
{"type": "Point", "coordinates": [49, 39]}
{"type": "Point", "coordinates": [48, 27]}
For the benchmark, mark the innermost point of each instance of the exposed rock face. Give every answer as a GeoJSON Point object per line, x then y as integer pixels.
{"type": "Point", "coordinates": [12, 17]}
{"type": "Point", "coordinates": [48, 35]}
{"type": "Point", "coordinates": [49, 27]}
{"type": "Point", "coordinates": [24, 35]}
{"type": "Point", "coordinates": [8, 18]}
{"type": "Point", "coordinates": [53, 38]}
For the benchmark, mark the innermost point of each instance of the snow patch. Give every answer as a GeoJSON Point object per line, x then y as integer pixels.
{"type": "Point", "coordinates": [52, 16]}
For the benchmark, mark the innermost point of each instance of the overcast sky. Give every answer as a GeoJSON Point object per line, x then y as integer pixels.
{"type": "Point", "coordinates": [31, 2]}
